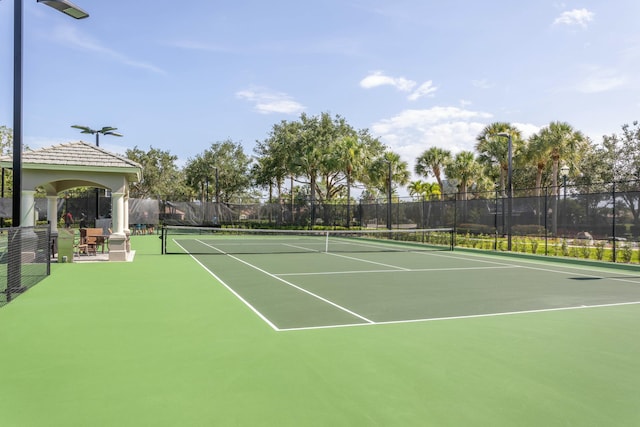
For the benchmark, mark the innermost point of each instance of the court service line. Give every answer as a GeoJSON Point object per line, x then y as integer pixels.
{"type": "Point", "coordinates": [247, 303]}
{"type": "Point", "coordinates": [470, 316]}
{"type": "Point", "coordinates": [418, 270]}
{"type": "Point", "coordinates": [368, 261]}
{"type": "Point", "coordinates": [596, 274]}
{"type": "Point", "coordinates": [338, 306]}
{"type": "Point", "coordinates": [463, 258]}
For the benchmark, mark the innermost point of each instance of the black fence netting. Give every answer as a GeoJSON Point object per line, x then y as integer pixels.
{"type": "Point", "coordinates": [607, 212]}
{"type": "Point", "coordinates": [24, 259]}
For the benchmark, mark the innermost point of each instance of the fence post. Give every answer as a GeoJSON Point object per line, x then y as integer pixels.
{"type": "Point", "coordinates": [495, 222]}
{"type": "Point", "coordinates": [546, 229]}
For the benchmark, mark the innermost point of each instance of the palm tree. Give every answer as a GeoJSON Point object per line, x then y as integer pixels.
{"type": "Point", "coordinates": [560, 141]}
{"type": "Point", "coordinates": [465, 169]}
{"type": "Point", "coordinates": [423, 190]}
{"type": "Point", "coordinates": [416, 189]}
{"type": "Point", "coordinates": [352, 155]}
{"type": "Point", "coordinates": [493, 149]}
{"type": "Point", "coordinates": [432, 162]}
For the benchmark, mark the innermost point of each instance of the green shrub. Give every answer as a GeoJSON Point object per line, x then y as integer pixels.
{"type": "Point", "coordinates": [528, 230]}
{"type": "Point", "coordinates": [585, 251]}
{"type": "Point", "coordinates": [626, 253]}
{"type": "Point", "coordinates": [534, 245]}
{"type": "Point", "coordinates": [599, 250]}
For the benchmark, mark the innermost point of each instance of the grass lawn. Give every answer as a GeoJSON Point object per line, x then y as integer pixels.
{"type": "Point", "coordinates": [159, 342]}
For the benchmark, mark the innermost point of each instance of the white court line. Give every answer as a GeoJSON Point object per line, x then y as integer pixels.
{"type": "Point", "coordinates": [367, 261]}
{"type": "Point", "coordinates": [599, 275]}
{"type": "Point", "coordinates": [471, 316]}
{"type": "Point", "coordinates": [395, 271]}
{"type": "Point", "coordinates": [370, 322]}
{"type": "Point", "coordinates": [251, 307]}
{"type": "Point", "coordinates": [338, 306]}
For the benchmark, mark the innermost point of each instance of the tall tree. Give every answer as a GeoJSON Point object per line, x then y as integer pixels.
{"type": "Point", "coordinates": [561, 142]}
{"type": "Point", "coordinates": [624, 150]}
{"type": "Point", "coordinates": [433, 162]}
{"type": "Point", "coordinates": [423, 190]}
{"type": "Point", "coordinates": [160, 175]}
{"type": "Point", "coordinates": [465, 170]}
{"type": "Point", "coordinates": [493, 149]}
{"type": "Point", "coordinates": [223, 167]}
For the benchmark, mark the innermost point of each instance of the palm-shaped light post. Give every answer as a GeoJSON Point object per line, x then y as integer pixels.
{"type": "Point", "coordinates": [106, 130]}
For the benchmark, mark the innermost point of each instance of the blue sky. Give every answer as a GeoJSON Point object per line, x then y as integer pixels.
{"type": "Point", "coordinates": [416, 73]}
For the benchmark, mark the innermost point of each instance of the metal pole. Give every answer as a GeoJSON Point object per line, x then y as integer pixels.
{"type": "Point", "coordinates": [564, 202]}
{"type": "Point", "coordinates": [614, 222]}
{"type": "Point", "coordinates": [17, 112]}
{"type": "Point", "coordinates": [546, 229]}
{"type": "Point", "coordinates": [14, 267]}
{"type": "Point", "coordinates": [217, 187]}
{"type": "Point", "coordinates": [510, 194]}
{"type": "Point", "coordinates": [389, 199]}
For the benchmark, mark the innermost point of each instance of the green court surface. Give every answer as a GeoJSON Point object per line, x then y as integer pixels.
{"type": "Point", "coordinates": [434, 338]}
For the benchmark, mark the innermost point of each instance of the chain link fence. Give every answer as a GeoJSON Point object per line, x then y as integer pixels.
{"type": "Point", "coordinates": [24, 259]}
{"type": "Point", "coordinates": [607, 212]}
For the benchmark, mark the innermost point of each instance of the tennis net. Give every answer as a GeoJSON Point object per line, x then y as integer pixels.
{"type": "Point", "coordinates": [205, 240]}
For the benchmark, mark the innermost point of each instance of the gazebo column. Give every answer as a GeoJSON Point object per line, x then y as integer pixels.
{"type": "Point", "coordinates": [127, 230]}
{"type": "Point", "coordinates": [52, 216]}
{"type": "Point", "coordinates": [28, 220]}
{"type": "Point", "coordinates": [28, 208]}
{"type": "Point", "coordinates": [118, 239]}
{"type": "Point", "coordinates": [52, 213]}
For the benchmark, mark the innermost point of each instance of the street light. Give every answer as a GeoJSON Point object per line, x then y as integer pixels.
{"type": "Point", "coordinates": [106, 130]}
{"type": "Point", "coordinates": [509, 186]}
{"type": "Point", "coordinates": [564, 173]}
{"type": "Point", "coordinates": [66, 7]}
{"type": "Point", "coordinates": [389, 195]}
{"type": "Point", "coordinates": [70, 9]}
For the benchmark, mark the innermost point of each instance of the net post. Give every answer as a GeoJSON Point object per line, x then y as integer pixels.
{"type": "Point", "coordinates": [326, 242]}
{"type": "Point", "coordinates": [453, 239]}
{"type": "Point", "coordinates": [162, 240]}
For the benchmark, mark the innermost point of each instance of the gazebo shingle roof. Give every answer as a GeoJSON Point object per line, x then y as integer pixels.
{"type": "Point", "coordinates": [77, 153]}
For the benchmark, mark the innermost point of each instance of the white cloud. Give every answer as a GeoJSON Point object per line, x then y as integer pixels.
{"type": "Point", "coordinates": [425, 89]}
{"type": "Point", "coordinates": [379, 79]}
{"type": "Point", "coordinates": [411, 132]}
{"type": "Point", "coordinates": [600, 80]}
{"type": "Point", "coordinates": [482, 84]}
{"type": "Point", "coordinates": [580, 17]}
{"type": "Point", "coordinates": [527, 129]}
{"type": "Point", "coordinates": [266, 101]}
{"type": "Point", "coordinates": [71, 36]}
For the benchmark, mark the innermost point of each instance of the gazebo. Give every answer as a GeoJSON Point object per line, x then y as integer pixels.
{"type": "Point", "coordinates": [78, 164]}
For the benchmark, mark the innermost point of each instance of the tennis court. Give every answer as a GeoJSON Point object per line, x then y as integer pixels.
{"type": "Point", "coordinates": [391, 337]}
{"type": "Point", "coordinates": [296, 282]}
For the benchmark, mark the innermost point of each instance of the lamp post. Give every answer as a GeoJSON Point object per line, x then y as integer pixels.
{"type": "Point", "coordinates": [217, 187]}
{"type": "Point", "coordinates": [106, 130]}
{"type": "Point", "coordinates": [67, 8]}
{"type": "Point", "coordinates": [564, 173]}
{"type": "Point", "coordinates": [388, 194]}
{"type": "Point", "coordinates": [509, 186]}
